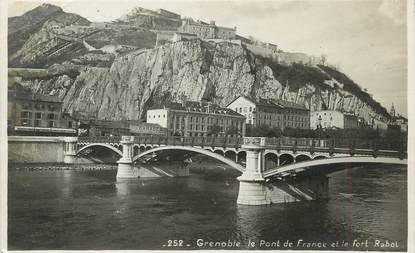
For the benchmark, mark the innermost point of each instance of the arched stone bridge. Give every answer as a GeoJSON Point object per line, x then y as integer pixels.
{"type": "Point", "coordinates": [273, 170]}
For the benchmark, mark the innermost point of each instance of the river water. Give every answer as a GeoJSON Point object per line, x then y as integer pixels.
{"type": "Point", "coordinates": [92, 210]}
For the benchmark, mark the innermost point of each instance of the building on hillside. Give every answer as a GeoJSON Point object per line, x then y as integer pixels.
{"type": "Point", "coordinates": [191, 118]}
{"type": "Point", "coordinates": [183, 36]}
{"type": "Point", "coordinates": [273, 113]}
{"type": "Point", "coordinates": [164, 37]}
{"type": "Point", "coordinates": [399, 122]}
{"type": "Point", "coordinates": [207, 31]}
{"type": "Point", "coordinates": [168, 14]}
{"type": "Point", "coordinates": [332, 119]}
{"type": "Point", "coordinates": [402, 122]}
{"type": "Point", "coordinates": [147, 129]}
{"type": "Point", "coordinates": [34, 114]}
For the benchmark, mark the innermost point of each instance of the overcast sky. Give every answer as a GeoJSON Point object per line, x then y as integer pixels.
{"type": "Point", "coordinates": [367, 39]}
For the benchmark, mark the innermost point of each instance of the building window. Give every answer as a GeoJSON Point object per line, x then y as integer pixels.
{"type": "Point", "coordinates": [69, 124]}
{"type": "Point", "coordinates": [51, 116]}
{"type": "Point", "coordinates": [37, 123]}
{"type": "Point", "coordinates": [38, 115]}
{"type": "Point", "coordinates": [39, 106]}
{"type": "Point", "coordinates": [25, 114]}
{"type": "Point", "coordinates": [51, 123]}
{"type": "Point", "coordinates": [27, 106]}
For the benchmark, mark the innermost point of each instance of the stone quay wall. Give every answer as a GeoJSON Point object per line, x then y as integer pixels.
{"type": "Point", "coordinates": [35, 149]}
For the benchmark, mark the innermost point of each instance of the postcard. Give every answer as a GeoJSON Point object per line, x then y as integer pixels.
{"type": "Point", "coordinates": [207, 125]}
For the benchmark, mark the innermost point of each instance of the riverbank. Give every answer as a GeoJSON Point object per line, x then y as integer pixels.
{"type": "Point", "coordinates": [58, 166]}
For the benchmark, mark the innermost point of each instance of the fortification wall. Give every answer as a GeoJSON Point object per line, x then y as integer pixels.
{"type": "Point", "coordinates": [261, 51]}
{"type": "Point", "coordinates": [236, 42]}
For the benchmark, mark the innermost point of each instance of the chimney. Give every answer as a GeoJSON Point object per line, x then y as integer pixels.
{"type": "Point", "coordinates": [212, 22]}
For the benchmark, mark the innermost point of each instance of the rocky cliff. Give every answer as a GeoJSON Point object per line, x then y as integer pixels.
{"type": "Point", "coordinates": [195, 70]}
{"type": "Point", "coordinates": [31, 41]}
{"type": "Point", "coordinates": [47, 35]}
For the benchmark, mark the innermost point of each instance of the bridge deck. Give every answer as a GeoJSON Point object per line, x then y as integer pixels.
{"type": "Point", "coordinates": [331, 146]}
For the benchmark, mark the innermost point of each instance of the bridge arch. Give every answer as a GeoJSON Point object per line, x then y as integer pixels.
{"type": "Point", "coordinates": [271, 160]}
{"type": "Point", "coordinates": [219, 151]}
{"type": "Point", "coordinates": [241, 155]}
{"type": "Point", "coordinates": [285, 159]}
{"type": "Point", "coordinates": [320, 157]}
{"type": "Point", "coordinates": [196, 150]}
{"type": "Point", "coordinates": [230, 154]}
{"type": "Point", "coordinates": [302, 158]}
{"type": "Point", "coordinates": [119, 152]}
{"type": "Point", "coordinates": [136, 150]}
{"type": "Point", "coordinates": [271, 152]}
{"type": "Point", "coordinates": [309, 165]}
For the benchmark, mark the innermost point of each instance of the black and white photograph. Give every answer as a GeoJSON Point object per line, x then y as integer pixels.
{"type": "Point", "coordinates": [206, 125]}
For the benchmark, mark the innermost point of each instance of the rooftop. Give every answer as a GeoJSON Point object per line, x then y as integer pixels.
{"type": "Point", "coordinates": [277, 103]}
{"type": "Point", "coordinates": [194, 106]}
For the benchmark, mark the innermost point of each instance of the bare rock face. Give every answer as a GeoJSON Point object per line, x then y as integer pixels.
{"type": "Point", "coordinates": [192, 70]}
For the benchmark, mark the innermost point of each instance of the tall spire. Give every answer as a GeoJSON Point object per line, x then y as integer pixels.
{"type": "Point", "coordinates": [392, 111]}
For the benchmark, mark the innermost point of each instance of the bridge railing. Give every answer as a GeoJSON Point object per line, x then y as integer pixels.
{"type": "Point", "coordinates": [190, 141]}
{"type": "Point", "coordinates": [284, 142]}
{"type": "Point", "coordinates": [100, 139]}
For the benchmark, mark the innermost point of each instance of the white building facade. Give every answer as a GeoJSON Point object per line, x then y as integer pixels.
{"type": "Point", "coordinates": [197, 119]}
{"type": "Point", "coordinates": [332, 119]}
{"type": "Point", "coordinates": [273, 113]}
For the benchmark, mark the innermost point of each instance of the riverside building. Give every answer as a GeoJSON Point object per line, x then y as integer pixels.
{"type": "Point", "coordinates": [34, 114]}
{"type": "Point", "coordinates": [332, 119]}
{"type": "Point", "coordinates": [273, 113]}
{"type": "Point", "coordinates": [192, 118]}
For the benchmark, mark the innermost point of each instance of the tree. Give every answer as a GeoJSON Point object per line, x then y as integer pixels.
{"type": "Point", "coordinates": [263, 131]}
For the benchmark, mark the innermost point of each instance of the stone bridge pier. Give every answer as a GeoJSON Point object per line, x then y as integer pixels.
{"type": "Point", "coordinates": [254, 189]}
{"type": "Point", "coordinates": [252, 185]}
{"type": "Point", "coordinates": [125, 164]}
{"type": "Point", "coordinates": [70, 149]}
